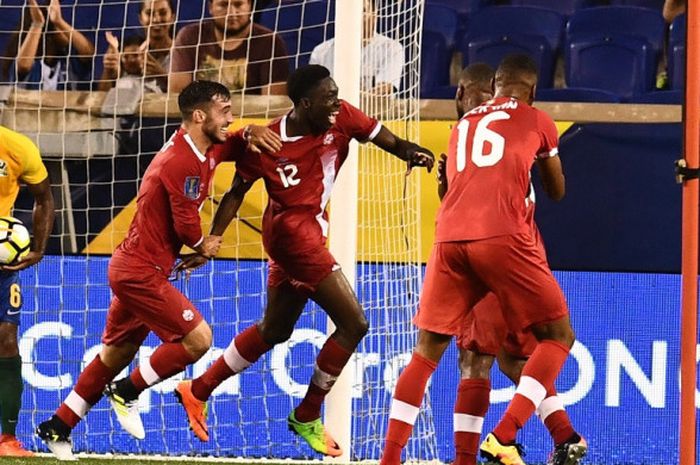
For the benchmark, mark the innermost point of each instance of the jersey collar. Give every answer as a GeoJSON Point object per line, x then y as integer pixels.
{"type": "Point", "coordinates": [194, 148]}
{"type": "Point", "coordinates": [283, 131]}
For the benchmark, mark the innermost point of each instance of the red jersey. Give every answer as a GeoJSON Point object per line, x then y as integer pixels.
{"type": "Point", "coordinates": [491, 152]}
{"type": "Point", "coordinates": [300, 176]}
{"type": "Point", "coordinates": [171, 195]}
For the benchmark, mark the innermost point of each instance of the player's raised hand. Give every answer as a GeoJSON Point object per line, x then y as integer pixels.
{"type": "Point", "coordinates": [420, 156]}
{"type": "Point", "coordinates": [28, 260]}
{"type": "Point", "coordinates": [262, 138]}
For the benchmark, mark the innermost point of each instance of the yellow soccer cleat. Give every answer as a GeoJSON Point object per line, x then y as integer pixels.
{"type": "Point", "coordinates": [315, 434]}
{"type": "Point", "coordinates": [505, 454]}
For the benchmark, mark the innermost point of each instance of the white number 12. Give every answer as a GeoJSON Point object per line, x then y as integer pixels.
{"type": "Point", "coordinates": [482, 134]}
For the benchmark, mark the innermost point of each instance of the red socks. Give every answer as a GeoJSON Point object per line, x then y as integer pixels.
{"type": "Point", "coordinates": [540, 370]}
{"type": "Point", "coordinates": [244, 350]}
{"type": "Point", "coordinates": [551, 412]}
{"type": "Point", "coordinates": [168, 359]}
{"type": "Point", "coordinates": [470, 408]}
{"type": "Point", "coordinates": [86, 393]}
{"type": "Point", "coordinates": [405, 406]}
{"type": "Point", "coordinates": [329, 363]}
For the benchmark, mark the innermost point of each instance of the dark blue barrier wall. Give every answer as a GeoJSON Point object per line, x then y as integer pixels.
{"type": "Point", "coordinates": [622, 210]}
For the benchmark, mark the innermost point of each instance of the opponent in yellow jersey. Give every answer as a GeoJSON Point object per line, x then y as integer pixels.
{"type": "Point", "coordinates": [20, 162]}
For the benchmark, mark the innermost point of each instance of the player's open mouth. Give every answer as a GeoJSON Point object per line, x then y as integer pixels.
{"type": "Point", "coordinates": [331, 117]}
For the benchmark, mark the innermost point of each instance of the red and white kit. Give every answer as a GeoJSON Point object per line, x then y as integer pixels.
{"type": "Point", "coordinates": [299, 179]}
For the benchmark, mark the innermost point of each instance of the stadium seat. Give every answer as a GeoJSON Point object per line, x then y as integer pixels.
{"type": "Point", "coordinates": [517, 20]}
{"type": "Point", "coordinates": [676, 52]}
{"type": "Point", "coordinates": [492, 49]}
{"type": "Point", "coordinates": [302, 26]}
{"type": "Point", "coordinates": [578, 94]}
{"type": "Point", "coordinates": [671, 97]}
{"type": "Point", "coordinates": [652, 4]}
{"type": "Point", "coordinates": [615, 20]}
{"type": "Point", "coordinates": [621, 65]}
{"type": "Point", "coordinates": [435, 65]}
{"type": "Point", "coordinates": [564, 7]}
{"type": "Point", "coordinates": [442, 20]}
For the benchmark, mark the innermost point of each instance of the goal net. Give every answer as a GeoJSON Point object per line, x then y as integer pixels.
{"type": "Point", "coordinates": [97, 145]}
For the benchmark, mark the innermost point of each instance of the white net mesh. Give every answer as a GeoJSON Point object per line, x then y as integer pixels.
{"type": "Point", "coordinates": [97, 147]}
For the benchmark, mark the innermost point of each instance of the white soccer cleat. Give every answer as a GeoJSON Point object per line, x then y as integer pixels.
{"type": "Point", "coordinates": [59, 443]}
{"type": "Point", "coordinates": [127, 412]}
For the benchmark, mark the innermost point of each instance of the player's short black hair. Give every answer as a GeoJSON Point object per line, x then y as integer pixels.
{"type": "Point", "coordinates": [516, 67]}
{"type": "Point", "coordinates": [134, 39]}
{"type": "Point", "coordinates": [198, 95]}
{"type": "Point", "coordinates": [304, 79]}
{"type": "Point", "coordinates": [479, 72]}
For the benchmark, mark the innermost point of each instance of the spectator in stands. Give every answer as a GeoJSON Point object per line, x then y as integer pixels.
{"type": "Point", "coordinates": [157, 18]}
{"type": "Point", "coordinates": [673, 8]}
{"type": "Point", "coordinates": [128, 69]}
{"type": "Point", "coordinates": [382, 57]}
{"type": "Point", "coordinates": [51, 54]}
{"type": "Point", "coordinates": [231, 49]}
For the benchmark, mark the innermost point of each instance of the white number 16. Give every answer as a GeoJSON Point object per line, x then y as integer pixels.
{"type": "Point", "coordinates": [482, 134]}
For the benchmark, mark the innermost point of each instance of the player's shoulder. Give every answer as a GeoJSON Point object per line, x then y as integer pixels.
{"type": "Point", "coordinates": [18, 144]}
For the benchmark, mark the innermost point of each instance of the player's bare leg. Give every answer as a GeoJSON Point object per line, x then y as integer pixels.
{"type": "Point", "coordinates": [167, 360]}
{"type": "Point", "coordinates": [409, 392]}
{"type": "Point", "coordinates": [541, 370]}
{"type": "Point", "coordinates": [10, 391]}
{"type": "Point", "coordinates": [284, 306]}
{"type": "Point", "coordinates": [87, 391]}
{"type": "Point", "coordinates": [569, 446]}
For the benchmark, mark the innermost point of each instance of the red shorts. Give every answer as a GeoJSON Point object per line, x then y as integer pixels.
{"type": "Point", "coordinates": [459, 274]}
{"type": "Point", "coordinates": [487, 332]}
{"type": "Point", "coordinates": [298, 253]}
{"type": "Point", "coordinates": [144, 301]}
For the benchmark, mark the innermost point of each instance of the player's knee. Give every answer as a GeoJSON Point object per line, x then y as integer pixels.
{"type": "Point", "coordinates": [274, 335]}
{"type": "Point", "coordinates": [198, 341]}
{"type": "Point", "coordinates": [8, 348]}
{"type": "Point", "coordinates": [358, 329]}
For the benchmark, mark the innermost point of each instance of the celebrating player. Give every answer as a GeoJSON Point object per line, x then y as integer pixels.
{"type": "Point", "coordinates": [299, 178]}
{"type": "Point", "coordinates": [20, 161]}
{"type": "Point", "coordinates": [483, 243]}
{"type": "Point", "coordinates": [486, 335]}
{"type": "Point", "coordinates": [167, 216]}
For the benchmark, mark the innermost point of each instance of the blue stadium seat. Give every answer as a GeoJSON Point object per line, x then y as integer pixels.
{"type": "Point", "coordinates": [435, 65]}
{"type": "Point", "coordinates": [563, 7]}
{"type": "Point", "coordinates": [442, 20]}
{"type": "Point", "coordinates": [652, 4]}
{"type": "Point", "coordinates": [517, 20]}
{"type": "Point", "coordinates": [492, 49]}
{"type": "Point", "coordinates": [302, 26]}
{"type": "Point", "coordinates": [621, 65]}
{"type": "Point", "coordinates": [615, 20]}
{"type": "Point", "coordinates": [462, 7]}
{"type": "Point", "coordinates": [577, 94]}
{"type": "Point", "coordinates": [670, 97]}
{"type": "Point", "coordinates": [676, 52]}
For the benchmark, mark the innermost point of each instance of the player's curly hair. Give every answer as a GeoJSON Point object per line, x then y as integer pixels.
{"type": "Point", "coordinates": [198, 95]}
{"type": "Point", "coordinates": [305, 79]}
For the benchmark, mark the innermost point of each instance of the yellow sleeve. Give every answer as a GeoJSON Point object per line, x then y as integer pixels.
{"type": "Point", "coordinates": [33, 169]}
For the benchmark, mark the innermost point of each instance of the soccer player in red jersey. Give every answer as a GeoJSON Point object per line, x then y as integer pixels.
{"type": "Point", "coordinates": [483, 243]}
{"type": "Point", "coordinates": [486, 335]}
{"type": "Point", "coordinates": [299, 179]}
{"type": "Point", "coordinates": [167, 216]}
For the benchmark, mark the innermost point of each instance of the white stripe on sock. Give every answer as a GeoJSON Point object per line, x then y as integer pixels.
{"type": "Point", "coordinates": [403, 411]}
{"type": "Point", "coordinates": [468, 423]}
{"type": "Point", "coordinates": [234, 359]}
{"type": "Point", "coordinates": [532, 389]}
{"type": "Point", "coordinates": [322, 379]}
{"type": "Point", "coordinates": [77, 404]}
{"type": "Point", "coordinates": [148, 374]}
{"type": "Point", "coordinates": [548, 406]}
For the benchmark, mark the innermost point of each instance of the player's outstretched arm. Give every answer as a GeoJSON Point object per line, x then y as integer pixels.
{"type": "Point", "coordinates": [42, 224]}
{"type": "Point", "coordinates": [411, 153]}
{"type": "Point", "coordinates": [552, 177]}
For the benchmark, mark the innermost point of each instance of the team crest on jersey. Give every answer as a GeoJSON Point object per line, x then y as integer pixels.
{"type": "Point", "coordinates": [3, 169]}
{"type": "Point", "coordinates": [187, 314]}
{"type": "Point", "coordinates": [192, 187]}
{"type": "Point", "coordinates": [328, 139]}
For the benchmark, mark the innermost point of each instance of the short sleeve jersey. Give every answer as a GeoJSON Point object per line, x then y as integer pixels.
{"type": "Point", "coordinates": [299, 177]}
{"type": "Point", "coordinates": [258, 61]}
{"type": "Point", "coordinates": [491, 152]}
{"type": "Point", "coordinates": [174, 187]}
{"type": "Point", "coordinates": [20, 161]}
